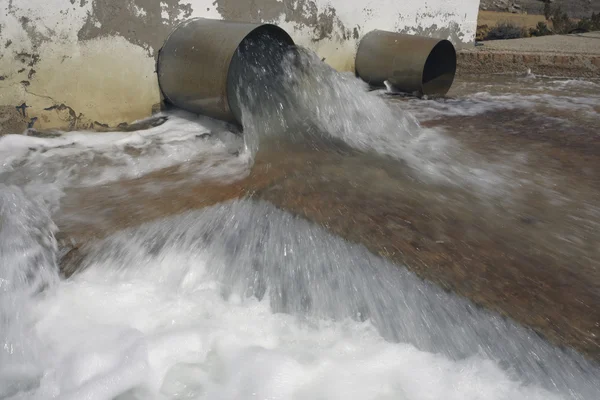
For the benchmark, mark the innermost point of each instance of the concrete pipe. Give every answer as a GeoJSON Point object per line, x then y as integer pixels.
{"type": "Point", "coordinates": [412, 64]}
{"type": "Point", "coordinates": [200, 63]}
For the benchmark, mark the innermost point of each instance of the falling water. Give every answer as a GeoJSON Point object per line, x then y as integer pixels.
{"type": "Point", "coordinates": [302, 97]}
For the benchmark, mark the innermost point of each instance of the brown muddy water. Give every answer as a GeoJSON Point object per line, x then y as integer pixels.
{"type": "Point", "coordinates": [466, 238]}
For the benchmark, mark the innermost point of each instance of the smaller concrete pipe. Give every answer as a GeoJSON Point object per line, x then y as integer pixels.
{"type": "Point", "coordinates": [409, 63]}
{"type": "Point", "coordinates": [199, 64]}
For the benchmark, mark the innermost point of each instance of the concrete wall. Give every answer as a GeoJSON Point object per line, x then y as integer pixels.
{"type": "Point", "coordinates": [81, 64]}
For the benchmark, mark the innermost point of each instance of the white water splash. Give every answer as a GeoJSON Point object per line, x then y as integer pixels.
{"type": "Point", "coordinates": [483, 102]}
{"type": "Point", "coordinates": [173, 309]}
{"type": "Point", "coordinates": [579, 98]}
{"type": "Point", "coordinates": [305, 99]}
{"type": "Point", "coordinates": [191, 143]}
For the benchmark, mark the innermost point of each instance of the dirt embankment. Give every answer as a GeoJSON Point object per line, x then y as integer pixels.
{"type": "Point", "coordinates": [573, 8]}
{"type": "Point", "coordinates": [493, 18]}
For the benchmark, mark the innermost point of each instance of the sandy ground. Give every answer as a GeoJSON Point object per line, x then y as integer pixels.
{"type": "Point", "coordinates": [585, 43]}
{"type": "Point", "coordinates": [573, 56]}
{"type": "Point", "coordinates": [493, 18]}
{"type": "Point", "coordinates": [574, 8]}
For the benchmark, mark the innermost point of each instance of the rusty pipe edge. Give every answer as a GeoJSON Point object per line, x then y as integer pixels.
{"type": "Point", "coordinates": [198, 66]}
{"type": "Point", "coordinates": [412, 64]}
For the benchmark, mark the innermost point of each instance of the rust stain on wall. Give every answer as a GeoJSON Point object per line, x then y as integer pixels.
{"type": "Point", "coordinates": [37, 38]}
{"type": "Point", "coordinates": [149, 29]}
{"type": "Point", "coordinates": [141, 22]}
{"type": "Point", "coordinates": [12, 120]}
{"type": "Point", "coordinates": [302, 12]}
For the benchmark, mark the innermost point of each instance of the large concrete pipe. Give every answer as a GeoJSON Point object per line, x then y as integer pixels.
{"type": "Point", "coordinates": [411, 64]}
{"type": "Point", "coordinates": [200, 63]}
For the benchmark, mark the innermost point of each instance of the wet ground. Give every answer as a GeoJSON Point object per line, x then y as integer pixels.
{"type": "Point", "coordinates": [523, 241]}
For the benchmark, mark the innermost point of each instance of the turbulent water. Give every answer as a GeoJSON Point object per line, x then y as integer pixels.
{"type": "Point", "coordinates": [241, 299]}
{"type": "Point", "coordinates": [310, 99]}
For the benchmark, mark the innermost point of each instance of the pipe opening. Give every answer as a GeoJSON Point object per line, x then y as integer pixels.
{"type": "Point", "coordinates": [439, 69]}
{"type": "Point", "coordinates": [261, 53]}
{"type": "Point", "coordinates": [409, 63]}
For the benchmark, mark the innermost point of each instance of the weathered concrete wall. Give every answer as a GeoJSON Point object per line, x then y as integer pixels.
{"type": "Point", "coordinates": [78, 64]}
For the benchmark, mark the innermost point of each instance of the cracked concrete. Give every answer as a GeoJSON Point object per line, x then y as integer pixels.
{"type": "Point", "coordinates": [90, 64]}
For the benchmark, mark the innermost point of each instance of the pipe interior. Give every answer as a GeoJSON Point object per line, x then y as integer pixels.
{"type": "Point", "coordinates": [259, 54]}
{"type": "Point", "coordinates": [439, 69]}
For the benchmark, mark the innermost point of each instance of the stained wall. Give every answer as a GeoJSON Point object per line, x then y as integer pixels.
{"type": "Point", "coordinates": [90, 64]}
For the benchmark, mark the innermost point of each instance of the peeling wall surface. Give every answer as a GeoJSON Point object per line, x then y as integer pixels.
{"type": "Point", "coordinates": [90, 64]}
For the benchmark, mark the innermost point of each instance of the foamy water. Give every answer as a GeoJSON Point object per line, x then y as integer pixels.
{"type": "Point", "coordinates": [309, 99]}
{"type": "Point", "coordinates": [192, 144]}
{"type": "Point", "coordinates": [572, 97]}
{"type": "Point", "coordinates": [243, 300]}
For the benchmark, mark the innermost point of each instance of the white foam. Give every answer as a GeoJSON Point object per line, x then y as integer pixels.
{"type": "Point", "coordinates": [531, 92]}
{"type": "Point", "coordinates": [88, 158]}
{"type": "Point", "coordinates": [568, 84]}
{"type": "Point", "coordinates": [484, 102]}
{"type": "Point", "coordinates": [106, 338]}
{"type": "Point", "coordinates": [161, 312]}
